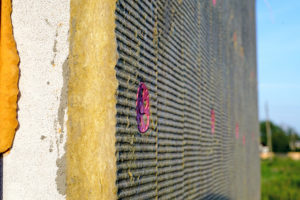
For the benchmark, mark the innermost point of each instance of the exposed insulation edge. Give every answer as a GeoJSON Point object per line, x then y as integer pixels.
{"type": "Point", "coordinates": [9, 76]}
{"type": "Point", "coordinates": [91, 161]}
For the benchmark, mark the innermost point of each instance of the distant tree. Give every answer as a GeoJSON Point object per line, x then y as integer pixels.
{"type": "Point", "coordinates": [280, 138]}
{"type": "Point", "coordinates": [263, 133]}
{"type": "Point", "coordinates": [293, 138]}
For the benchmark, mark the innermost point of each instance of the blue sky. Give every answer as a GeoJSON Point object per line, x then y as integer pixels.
{"type": "Point", "coordinates": [278, 59]}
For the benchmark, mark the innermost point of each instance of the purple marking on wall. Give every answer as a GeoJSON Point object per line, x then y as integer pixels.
{"type": "Point", "coordinates": [142, 108]}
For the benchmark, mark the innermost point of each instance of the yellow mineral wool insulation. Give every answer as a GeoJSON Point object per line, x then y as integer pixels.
{"type": "Point", "coordinates": [9, 76]}
{"type": "Point", "coordinates": [91, 161]}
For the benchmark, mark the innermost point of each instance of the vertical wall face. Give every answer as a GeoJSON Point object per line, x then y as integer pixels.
{"type": "Point", "coordinates": [198, 59]}
{"type": "Point", "coordinates": [34, 169]}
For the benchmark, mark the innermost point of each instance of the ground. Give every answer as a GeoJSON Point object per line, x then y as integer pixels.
{"type": "Point", "coordinates": [280, 179]}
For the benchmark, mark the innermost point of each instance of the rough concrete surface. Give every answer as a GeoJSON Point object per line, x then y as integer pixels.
{"type": "Point", "coordinates": [35, 167]}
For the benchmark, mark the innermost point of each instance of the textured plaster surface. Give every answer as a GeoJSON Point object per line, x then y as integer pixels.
{"type": "Point", "coordinates": [35, 167]}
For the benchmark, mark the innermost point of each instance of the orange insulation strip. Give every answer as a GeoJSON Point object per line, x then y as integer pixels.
{"type": "Point", "coordinates": [9, 76]}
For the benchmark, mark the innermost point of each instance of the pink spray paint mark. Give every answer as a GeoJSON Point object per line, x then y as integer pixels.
{"type": "Point", "coordinates": [244, 139]}
{"type": "Point", "coordinates": [213, 121]}
{"type": "Point", "coordinates": [237, 131]}
{"type": "Point", "coordinates": [234, 37]}
{"type": "Point", "coordinates": [214, 2]}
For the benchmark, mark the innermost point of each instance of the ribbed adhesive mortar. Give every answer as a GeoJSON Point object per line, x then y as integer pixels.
{"type": "Point", "coordinates": [194, 57]}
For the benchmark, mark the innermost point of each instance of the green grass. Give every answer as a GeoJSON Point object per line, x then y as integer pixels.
{"type": "Point", "coordinates": [280, 179]}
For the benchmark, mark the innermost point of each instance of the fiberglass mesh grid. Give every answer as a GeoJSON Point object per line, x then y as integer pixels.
{"type": "Point", "coordinates": [193, 57]}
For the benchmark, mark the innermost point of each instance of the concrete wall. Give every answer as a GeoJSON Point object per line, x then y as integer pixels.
{"type": "Point", "coordinates": [35, 167]}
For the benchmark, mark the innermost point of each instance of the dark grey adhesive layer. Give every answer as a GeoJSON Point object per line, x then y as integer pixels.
{"type": "Point", "coordinates": [184, 52]}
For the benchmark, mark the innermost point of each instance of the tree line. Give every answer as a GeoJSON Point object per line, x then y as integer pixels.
{"type": "Point", "coordinates": [282, 140]}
